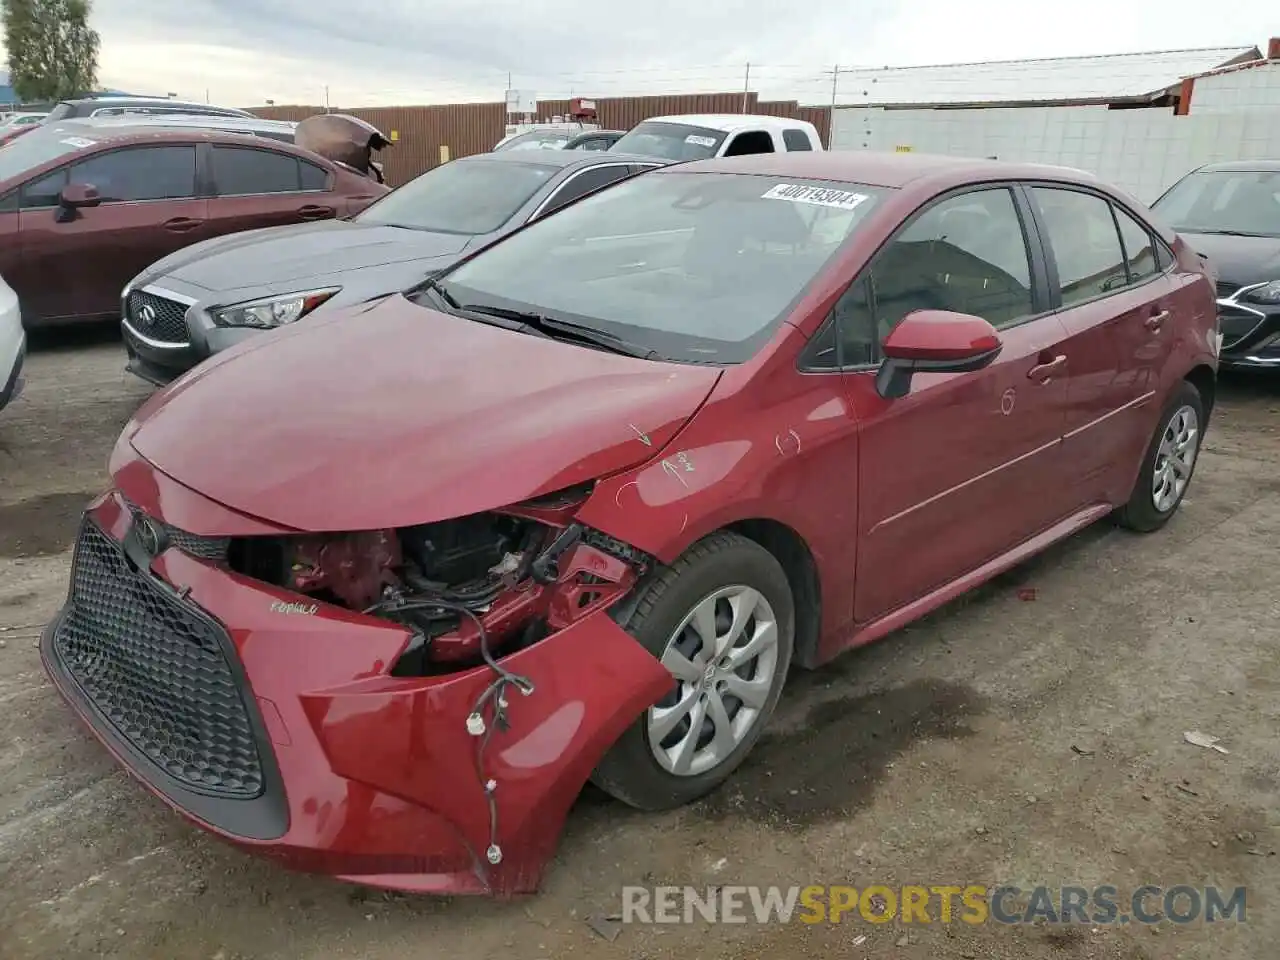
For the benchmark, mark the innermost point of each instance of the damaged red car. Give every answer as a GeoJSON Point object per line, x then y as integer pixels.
{"type": "Point", "coordinates": [376, 595]}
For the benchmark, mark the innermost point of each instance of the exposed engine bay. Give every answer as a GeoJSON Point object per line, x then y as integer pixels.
{"type": "Point", "coordinates": [469, 588]}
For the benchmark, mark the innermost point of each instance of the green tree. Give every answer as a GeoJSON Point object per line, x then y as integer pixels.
{"type": "Point", "coordinates": [53, 53]}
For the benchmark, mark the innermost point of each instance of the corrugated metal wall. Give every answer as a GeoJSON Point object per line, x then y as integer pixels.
{"type": "Point", "coordinates": [470, 128]}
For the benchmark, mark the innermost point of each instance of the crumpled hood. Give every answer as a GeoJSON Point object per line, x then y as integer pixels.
{"type": "Point", "coordinates": [1239, 260]}
{"type": "Point", "coordinates": [288, 255]}
{"type": "Point", "coordinates": [395, 414]}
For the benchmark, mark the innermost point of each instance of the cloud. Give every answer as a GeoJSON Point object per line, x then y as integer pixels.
{"type": "Point", "coordinates": [404, 51]}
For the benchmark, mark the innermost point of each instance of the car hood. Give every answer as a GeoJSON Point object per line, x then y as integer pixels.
{"type": "Point", "coordinates": [391, 414]}
{"type": "Point", "coordinates": [300, 252]}
{"type": "Point", "coordinates": [1238, 260]}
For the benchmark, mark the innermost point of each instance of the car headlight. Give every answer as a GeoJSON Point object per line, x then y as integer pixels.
{"type": "Point", "coordinates": [270, 312]}
{"type": "Point", "coordinates": [1266, 293]}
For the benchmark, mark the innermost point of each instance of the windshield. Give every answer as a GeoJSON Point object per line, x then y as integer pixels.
{"type": "Point", "coordinates": [1231, 201]}
{"type": "Point", "coordinates": [537, 140]}
{"type": "Point", "coordinates": [32, 149]}
{"type": "Point", "coordinates": [695, 267]}
{"type": "Point", "coordinates": [466, 197]}
{"type": "Point", "coordinates": [672, 141]}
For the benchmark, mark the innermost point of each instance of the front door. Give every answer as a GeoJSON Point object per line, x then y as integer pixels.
{"type": "Point", "coordinates": [76, 269]}
{"type": "Point", "coordinates": [1116, 302]}
{"type": "Point", "coordinates": [966, 466]}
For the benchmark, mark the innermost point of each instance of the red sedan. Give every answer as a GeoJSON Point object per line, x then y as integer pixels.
{"type": "Point", "coordinates": [376, 594]}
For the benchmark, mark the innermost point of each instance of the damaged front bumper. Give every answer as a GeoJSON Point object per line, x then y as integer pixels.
{"type": "Point", "coordinates": [280, 727]}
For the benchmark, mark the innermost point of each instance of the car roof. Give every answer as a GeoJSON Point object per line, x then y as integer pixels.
{"type": "Point", "coordinates": [1241, 166]}
{"type": "Point", "coordinates": [137, 101]}
{"type": "Point", "coordinates": [182, 120]}
{"type": "Point", "coordinates": [145, 132]}
{"type": "Point", "coordinates": [729, 122]}
{"type": "Point", "coordinates": [560, 158]}
{"type": "Point", "coordinates": [878, 169]}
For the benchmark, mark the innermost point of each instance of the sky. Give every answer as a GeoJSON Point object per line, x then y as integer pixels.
{"type": "Point", "coordinates": [391, 52]}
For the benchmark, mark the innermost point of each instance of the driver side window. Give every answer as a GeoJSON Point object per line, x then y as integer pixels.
{"type": "Point", "coordinates": [966, 254]}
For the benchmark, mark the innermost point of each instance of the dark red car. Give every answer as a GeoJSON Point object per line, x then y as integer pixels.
{"type": "Point", "coordinates": [84, 208]}
{"type": "Point", "coordinates": [376, 594]}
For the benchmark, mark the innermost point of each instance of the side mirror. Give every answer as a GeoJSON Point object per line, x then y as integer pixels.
{"type": "Point", "coordinates": [934, 341]}
{"type": "Point", "coordinates": [75, 196]}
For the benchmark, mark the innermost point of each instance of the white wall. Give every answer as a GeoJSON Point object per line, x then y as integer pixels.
{"type": "Point", "coordinates": [1144, 151]}
{"type": "Point", "coordinates": [1255, 88]}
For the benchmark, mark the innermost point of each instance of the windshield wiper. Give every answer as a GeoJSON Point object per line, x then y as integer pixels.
{"type": "Point", "coordinates": [1230, 233]}
{"type": "Point", "coordinates": [554, 327]}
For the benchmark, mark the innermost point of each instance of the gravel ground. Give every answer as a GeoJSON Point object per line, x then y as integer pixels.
{"type": "Point", "coordinates": [1011, 738]}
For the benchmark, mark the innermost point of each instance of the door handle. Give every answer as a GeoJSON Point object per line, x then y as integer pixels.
{"type": "Point", "coordinates": [1043, 372]}
{"type": "Point", "coordinates": [182, 224]}
{"type": "Point", "coordinates": [1156, 321]}
{"type": "Point", "coordinates": [314, 212]}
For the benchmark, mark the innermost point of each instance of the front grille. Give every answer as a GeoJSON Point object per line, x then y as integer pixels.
{"type": "Point", "coordinates": [194, 545]}
{"type": "Point", "coordinates": [157, 318]}
{"type": "Point", "coordinates": [1235, 324]}
{"type": "Point", "coordinates": [156, 668]}
{"type": "Point", "coordinates": [1226, 290]}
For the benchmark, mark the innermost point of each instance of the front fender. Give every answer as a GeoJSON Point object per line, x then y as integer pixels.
{"type": "Point", "coordinates": [793, 462]}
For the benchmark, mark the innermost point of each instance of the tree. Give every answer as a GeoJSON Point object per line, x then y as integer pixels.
{"type": "Point", "coordinates": [53, 53]}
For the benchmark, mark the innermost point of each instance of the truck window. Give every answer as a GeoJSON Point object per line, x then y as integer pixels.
{"type": "Point", "coordinates": [751, 141]}
{"type": "Point", "coordinates": [796, 140]}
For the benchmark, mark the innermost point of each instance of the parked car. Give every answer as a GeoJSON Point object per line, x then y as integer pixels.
{"type": "Point", "coordinates": [118, 106]}
{"type": "Point", "coordinates": [282, 130]}
{"type": "Point", "coordinates": [13, 345]}
{"type": "Point", "coordinates": [729, 135]}
{"type": "Point", "coordinates": [12, 120]}
{"type": "Point", "coordinates": [80, 214]}
{"type": "Point", "coordinates": [544, 139]}
{"type": "Point", "coordinates": [574, 506]}
{"type": "Point", "coordinates": [594, 140]}
{"type": "Point", "coordinates": [215, 294]}
{"type": "Point", "coordinates": [1230, 212]}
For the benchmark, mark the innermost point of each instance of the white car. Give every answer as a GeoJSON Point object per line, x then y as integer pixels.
{"type": "Point", "coordinates": [13, 345]}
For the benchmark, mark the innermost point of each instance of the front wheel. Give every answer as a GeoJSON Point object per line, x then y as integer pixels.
{"type": "Point", "coordinates": [1169, 463]}
{"type": "Point", "coordinates": [721, 619]}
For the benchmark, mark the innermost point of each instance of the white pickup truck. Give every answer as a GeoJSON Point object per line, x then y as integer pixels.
{"type": "Point", "coordinates": [701, 136]}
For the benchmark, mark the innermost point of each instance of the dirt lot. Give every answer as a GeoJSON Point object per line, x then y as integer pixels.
{"type": "Point", "coordinates": [1005, 740]}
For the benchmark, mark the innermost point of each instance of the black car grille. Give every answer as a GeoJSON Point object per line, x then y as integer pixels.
{"type": "Point", "coordinates": [156, 668]}
{"type": "Point", "coordinates": [1226, 290]}
{"type": "Point", "coordinates": [203, 548]}
{"type": "Point", "coordinates": [157, 318]}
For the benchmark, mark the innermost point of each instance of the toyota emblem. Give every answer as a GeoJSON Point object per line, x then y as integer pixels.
{"type": "Point", "coordinates": [146, 314]}
{"type": "Point", "coordinates": [149, 537]}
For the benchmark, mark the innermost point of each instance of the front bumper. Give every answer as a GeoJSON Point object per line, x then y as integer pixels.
{"type": "Point", "coordinates": [287, 736]}
{"type": "Point", "coordinates": [175, 336]}
{"type": "Point", "coordinates": [1250, 332]}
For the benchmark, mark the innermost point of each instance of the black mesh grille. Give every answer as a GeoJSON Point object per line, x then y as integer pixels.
{"type": "Point", "coordinates": [158, 318]}
{"type": "Point", "coordinates": [156, 669]}
{"type": "Point", "coordinates": [1235, 325]}
{"type": "Point", "coordinates": [1227, 289]}
{"type": "Point", "coordinates": [204, 548]}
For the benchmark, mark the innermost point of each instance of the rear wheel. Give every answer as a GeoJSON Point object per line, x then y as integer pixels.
{"type": "Point", "coordinates": [1169, 464]}
{"type": "Point", "coordinates": [721, 620]}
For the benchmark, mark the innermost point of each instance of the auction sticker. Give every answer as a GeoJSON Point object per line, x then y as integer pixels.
{"type": "Point", "coordinates": [80, 142]}
{"type": "Point", "coordinates": [700, 141]}
{"type": "Point", "coordinates": [821, 196]}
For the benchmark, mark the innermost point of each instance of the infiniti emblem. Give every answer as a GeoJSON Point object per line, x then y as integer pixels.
{"type": "Point", "coordinates": [146, 314]}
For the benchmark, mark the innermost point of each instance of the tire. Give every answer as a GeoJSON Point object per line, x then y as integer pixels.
{"type": "Point", "coordinates": [659, 617]}
{"type": "Point", "coordinates": [1143, 513]}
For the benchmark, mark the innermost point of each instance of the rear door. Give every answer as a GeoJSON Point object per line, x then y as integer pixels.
{"type": "Point", "coordinates": [150, 207]}
{"type": "Point", "coordinates": [967, 465]}
{"type": "Point", "coordinates": [1114, 293]}
{"type": "Point", "coordinates": [256, 186]}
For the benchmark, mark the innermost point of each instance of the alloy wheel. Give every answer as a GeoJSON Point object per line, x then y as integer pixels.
{"type": "Point", "coordinates": [1175, 457]}
{"type": "Point", "coordinates": [724, 658]}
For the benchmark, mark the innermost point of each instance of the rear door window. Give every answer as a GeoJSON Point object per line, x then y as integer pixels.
{"type": "Point", "coordinates": [313, 177]}
{"type": "Point", "coordinates": [140, 173]}
{"type": "Point", "coordinates": [245, 171]}
{"type": "Point", "coordinates": [1085, 242]}
{"type": "Point", "coordinates": [1139, 248]}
